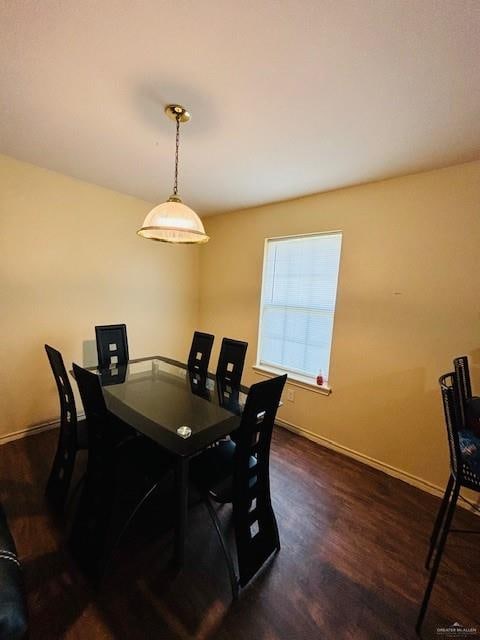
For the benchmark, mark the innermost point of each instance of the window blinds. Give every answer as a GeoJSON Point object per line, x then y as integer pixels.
{"type": "Point", "coordinates": [298, 302]}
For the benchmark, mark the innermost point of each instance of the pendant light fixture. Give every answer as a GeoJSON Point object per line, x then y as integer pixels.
{"type": "Point", "coordinates": [172, 221]}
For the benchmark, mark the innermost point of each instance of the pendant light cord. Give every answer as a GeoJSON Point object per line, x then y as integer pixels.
{"type": "Point", "coordinates": [177, 144]}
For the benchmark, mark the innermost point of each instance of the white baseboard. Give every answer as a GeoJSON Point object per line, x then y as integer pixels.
{"type": "Point", "coordinates": [409, 478]}
{"type": "Point", "coordinates": [29, 431]}
{"type": "Point", "coordinates": [54, 423]}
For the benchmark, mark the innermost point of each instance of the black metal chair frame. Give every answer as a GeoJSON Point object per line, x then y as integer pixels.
{"type": "Point", "coordinates": [461, 475]}
{"type": "Point", "coordinates": [231, 361]}
{"type": "Point", "coordinates": [255, 525]}
{"type": "Point", "coordinates": [462, 372]}
{"type": "Point", "coordinates": [69, 442]}
{"type": "Point", "coordinates": [104, 339]}
{"type": "Point", "coordinates": [200, 352]}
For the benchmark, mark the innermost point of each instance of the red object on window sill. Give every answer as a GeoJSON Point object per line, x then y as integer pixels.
{"type": "Point", "coordinates": [320, 380]}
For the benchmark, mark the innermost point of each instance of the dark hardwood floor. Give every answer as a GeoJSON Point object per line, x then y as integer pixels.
{"type": "Point", "coordinates": [351, 565]}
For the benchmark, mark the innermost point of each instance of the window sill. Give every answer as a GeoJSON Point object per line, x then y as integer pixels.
{"type": "Point", "coordinates": [293, 380]}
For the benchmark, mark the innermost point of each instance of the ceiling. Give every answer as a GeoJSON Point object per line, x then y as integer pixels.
{"type": "Point", "coordinates": [288, 97]}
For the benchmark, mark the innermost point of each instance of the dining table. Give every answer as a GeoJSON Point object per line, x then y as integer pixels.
{"type": "Point", "coordinates": [179, 410]}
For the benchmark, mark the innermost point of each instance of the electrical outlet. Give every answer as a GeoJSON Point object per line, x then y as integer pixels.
{"type": "Point", "coordinates": [290, 395]}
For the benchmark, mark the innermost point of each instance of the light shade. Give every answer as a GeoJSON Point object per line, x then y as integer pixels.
{"type": "Point", "coordinates": [173, 221]}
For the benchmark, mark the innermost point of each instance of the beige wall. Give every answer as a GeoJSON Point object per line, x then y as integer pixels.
{"type": "Point", "coordinates": [407, 298]}
{"type": "Point", "coordinates": [408, 302]}
{"type": "Point", "coordinates": [70, 259]}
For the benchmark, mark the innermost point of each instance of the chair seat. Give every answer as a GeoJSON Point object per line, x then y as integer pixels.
{"type": "Point", "coordinates": [472, 414]}
{"type": "Point", "coordinates": [470, 450]}
{"type": "Point", "coordinates": [212, 470]}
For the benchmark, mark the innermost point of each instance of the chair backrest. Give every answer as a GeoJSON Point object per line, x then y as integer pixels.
{"type": "Point", "coordinates": [463, 381]}
{"type": "Point", "coordinates": [58, 483]}
{"type": "Point", "coordinates": [256, 529]}
{"type": "Point", "coordinates": [112, 345]}
{"type": "Point", "coordinates": [452, 411]}
{"type": "Point", "coordinates": [93, 513]}
{"type": "Point", "coordinates": [91, 393]}
{"type": "Point", "coordinates": [229, 398]}
{"type": "Point", "coordinates": [231, 361]}
{"type": "Point", "coordinates": [101, 429]}
{"type": "Point", "coordinates": [68, 410]}
{"type": "Point", "coordinates": [113, 375]}
{"type": "Point", "coordinates": [200, 352]}
{"type": "Point", "coordinates": [198, 385]}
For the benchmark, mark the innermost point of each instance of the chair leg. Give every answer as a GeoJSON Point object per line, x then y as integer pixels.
{"type": "Point", "coordinates": [226, 552]}
{"type": "Point", "coordinates": [438, 556]}
{"type": "Point", "coordinates": [439, 521]}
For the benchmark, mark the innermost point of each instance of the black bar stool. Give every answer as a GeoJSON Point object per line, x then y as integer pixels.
{"type": "Point", "coordinates": [462, 474]}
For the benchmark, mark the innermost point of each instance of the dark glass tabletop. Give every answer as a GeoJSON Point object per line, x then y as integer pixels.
{"type": "Point", "coordinates": [157, 396]}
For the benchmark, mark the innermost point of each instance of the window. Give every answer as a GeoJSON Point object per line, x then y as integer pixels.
{"type": "Point", "coordinates": [299, 289]}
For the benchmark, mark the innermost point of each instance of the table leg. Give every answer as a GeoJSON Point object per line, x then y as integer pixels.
{"type": "Point", "coordinates": [181, 490]}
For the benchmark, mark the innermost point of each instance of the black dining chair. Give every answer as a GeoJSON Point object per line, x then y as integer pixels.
{"type": "Point", "coordinates": [238, 472]}
{"type": "Point", "coordinates": [112, 345]}
{"type": "Point", "coordinates": [469, 404]}
{"type": "Point", "coordinates": [72, 437]}
{"type": "Point", "coordinates": [462, 474]}
{"type": "Point", "coordinates": [231, 361]}
{"type": "Point", "coordinates": [116, 468]}
{"type": "Point", "coordinates": [200, 351]}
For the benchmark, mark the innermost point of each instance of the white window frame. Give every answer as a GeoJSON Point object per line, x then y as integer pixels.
{"type": "Point", "coordinates": [295, 378]}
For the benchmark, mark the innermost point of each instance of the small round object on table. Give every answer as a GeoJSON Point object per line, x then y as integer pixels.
{"type": "Point", "coordinates": [184, 432]}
